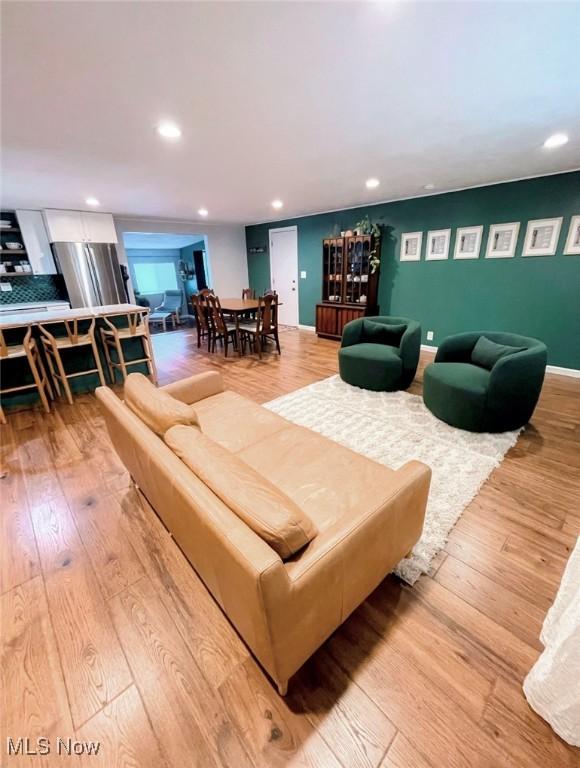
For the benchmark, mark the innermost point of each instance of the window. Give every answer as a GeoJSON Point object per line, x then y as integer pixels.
{"type": "Point", "coordinates": [155, 277]}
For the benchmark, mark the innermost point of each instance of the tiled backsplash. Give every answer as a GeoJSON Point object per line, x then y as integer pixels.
{"type": "Point", "coordinates": [31, 288]}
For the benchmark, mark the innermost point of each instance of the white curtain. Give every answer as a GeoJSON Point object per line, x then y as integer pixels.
{"type": "Point", "coordinates": [552, 686]}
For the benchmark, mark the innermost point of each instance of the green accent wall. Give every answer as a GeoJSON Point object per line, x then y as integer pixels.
{"type": "Point", "coordinates": [536, 296]}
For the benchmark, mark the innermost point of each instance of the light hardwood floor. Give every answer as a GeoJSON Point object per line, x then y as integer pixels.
{"type": "Point", "coordinates": [108, 635]}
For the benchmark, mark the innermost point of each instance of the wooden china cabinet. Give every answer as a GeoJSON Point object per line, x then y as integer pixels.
{"type": "Point", "coordinates": [349, 288]}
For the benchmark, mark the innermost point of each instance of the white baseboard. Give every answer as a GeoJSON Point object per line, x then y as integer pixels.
{"type": "Point", "coordinates": [307, 327]}
{"type": "Point", "coordinates": [573, 372]}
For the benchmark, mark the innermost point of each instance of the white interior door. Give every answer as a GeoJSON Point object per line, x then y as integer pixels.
{"type": "Point", "coordinates": [284, 272]}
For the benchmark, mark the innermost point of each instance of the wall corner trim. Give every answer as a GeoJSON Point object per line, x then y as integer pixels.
{"type": "Point", "coordinates": [306, 327]}
{"type": "Point", "coordinates": [557, 369]}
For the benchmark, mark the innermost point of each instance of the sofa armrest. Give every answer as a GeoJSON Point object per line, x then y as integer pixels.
{"type": "Point", "coordinates": [352, 333]}
{"type": "Point", "coordinates": [409, 350]}
{"type": "Point", "coordinates": [196, 387]}
{"type": "Point", "coordinates": [407, 495]}
{"type": "Point", "coordinates": [517, 379]}
{"type": "Point", "coordinates": [458, 348]}
{"type": "Point", "coordinates": [342, 566]}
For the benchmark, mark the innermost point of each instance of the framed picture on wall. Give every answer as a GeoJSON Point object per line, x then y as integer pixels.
{"type": "Point", "coordinates": [468, 242]}
{"type": "Point", "coordinates": [411, 246]}
{"type": "Point", "coordinates": [438, 244]}
{"type": "Point", "coordinates": [502, 240]}
{"type": "Point", "coordinates": [542, 237]}
{"type": "Point", "coordinates": [573, 240]}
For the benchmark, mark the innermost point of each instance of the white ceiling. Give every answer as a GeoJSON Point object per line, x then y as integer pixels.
{"type": "Point", "coordinates": [158, 240]}
{"type": "Point", "coordinates": [301, 101]}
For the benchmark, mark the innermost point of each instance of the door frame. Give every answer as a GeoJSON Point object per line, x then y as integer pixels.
{"type": "Point", "coordinates": [293, 228]}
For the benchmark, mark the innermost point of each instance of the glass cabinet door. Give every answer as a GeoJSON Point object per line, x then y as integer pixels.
{"type": "Point", "coordinates": [332, 265]}
{"type": "Point", "coordinates": [358, 250]}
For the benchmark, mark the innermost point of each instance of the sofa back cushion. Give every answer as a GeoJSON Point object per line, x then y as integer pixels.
{"type": "Point", "coordinates": [382, 333]}
{"type": "Point", "coordinates": [272, 515]}
{"type": "Point", "coordinates": [486, 353]}
{"type": "Point", "coordinates": [156, 408]}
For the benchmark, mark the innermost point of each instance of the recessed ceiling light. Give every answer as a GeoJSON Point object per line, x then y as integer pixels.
{"type": "Point", "coordinates": [203, 211]}
{"type": "Point", "coordinates": [92, 201]}
{"type": "Point", "coordinates": [429, 186]}
{"type": "Point", "coordinates": [556, 140]}
{"type": "Point", "coordinates": [277, 204]}
{"type": "Point", "coordinates": [372, 183]}
{"type": "Point", "coordinates": [169, 130]}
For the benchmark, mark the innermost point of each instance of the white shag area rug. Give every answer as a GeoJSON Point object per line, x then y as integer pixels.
{"type": "Point", "coordinates": [393, 428]}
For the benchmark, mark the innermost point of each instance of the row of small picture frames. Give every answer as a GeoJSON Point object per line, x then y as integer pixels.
{"type": "Point", "coordinates": [541, 240]}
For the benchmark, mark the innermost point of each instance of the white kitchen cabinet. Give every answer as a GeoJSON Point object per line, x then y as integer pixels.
{"type": "Point", "coordinates": [99, 227]}
{"type": "Point", "coordinates": [36, 242]}
{"type": "Point", "coordinates": [64, 226]}
{"type": "Point", "coordinates": [80, 227]}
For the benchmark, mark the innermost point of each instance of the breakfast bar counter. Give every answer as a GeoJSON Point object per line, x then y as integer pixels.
{"type": "Point", "coordinates": [72, 344]}
{"type": "Point", "coordinates": [13, 320]}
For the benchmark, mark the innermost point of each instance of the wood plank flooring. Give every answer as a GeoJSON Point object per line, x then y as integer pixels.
{"type": "Point", "coordinates": [108, 635]}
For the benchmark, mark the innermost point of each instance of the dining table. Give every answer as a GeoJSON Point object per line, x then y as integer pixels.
{"type": "Point", "coordinates": [237, 308]}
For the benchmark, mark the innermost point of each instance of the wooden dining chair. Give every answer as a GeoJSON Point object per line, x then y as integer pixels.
{"type": "Point", "coordinates": [202, 320]}
{"type": "Point", "coordinates": [74, 337]}
{"type": "Point", "coordinates": [220, 330]}
{"type": "Point", "coordinates": [265, 326]}
{"type": "Point", "coordinates": [30, 351]}
{"type": "Point", "coordinates": [120, 329]}
{"type": "Point", "coordinates": [248, 293]}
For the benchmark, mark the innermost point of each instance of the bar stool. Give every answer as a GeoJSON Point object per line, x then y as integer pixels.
{"type": "Point", "coordinates": [54, 345]}
{"type": "Point", "coordinates": [29, 350]}
{"type": "Point", "coordinates": [113, 337]}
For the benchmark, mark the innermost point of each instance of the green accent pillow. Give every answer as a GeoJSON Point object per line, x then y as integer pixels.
{"type": "Point", "coordinates": [486, 353]}
{"type": "Point", "coordinates": [379, 333]}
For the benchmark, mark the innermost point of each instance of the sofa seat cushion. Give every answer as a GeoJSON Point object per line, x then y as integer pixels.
{"type": "Point", "coordinates": [261, 505]}
{"type": "Point", "coordinates": [457, 393]}
{"type": "Point", "coordinates": [371, 366]}
{"type": "Point", "coordinates": [235, 422]}
{"type": "Point", "coordinates": [461, 377]}
{"type": "Point", "coordinates": [156, 408]}
{"type": "Point", "coordinates": [326, 480]}
{"type": "Point", "coordinates": [371, 351]}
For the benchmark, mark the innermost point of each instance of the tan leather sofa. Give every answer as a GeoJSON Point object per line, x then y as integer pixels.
{"type": "Point", "coordinates": [351, 519]}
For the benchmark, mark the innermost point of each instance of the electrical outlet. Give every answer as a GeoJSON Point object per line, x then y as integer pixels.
{"type": "Point", "coordinates": [5, 287]}
{"type": "Point", "coordinates": [429, 335]}
{"type": "Point", "coordinates": [303, 274]}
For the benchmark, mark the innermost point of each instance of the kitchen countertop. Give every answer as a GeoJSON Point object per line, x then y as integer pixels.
{"type": "Point", "coordinates": [32, 306]}
{"type": "Point", "coordinates": [12, 320]}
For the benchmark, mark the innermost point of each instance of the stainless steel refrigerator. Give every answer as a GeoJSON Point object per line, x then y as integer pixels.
{"type": "Point", "coordinates": [91, 273]}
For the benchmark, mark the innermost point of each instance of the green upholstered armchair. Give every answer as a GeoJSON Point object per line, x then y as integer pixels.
{"type": "Point", "coordinates": [494, 397]}
{"type": "Point", "coordinates": [380, 353]}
